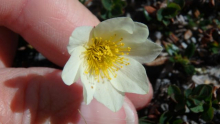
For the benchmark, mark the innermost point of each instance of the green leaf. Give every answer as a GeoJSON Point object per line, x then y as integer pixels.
{"type": "Point", "coordinates": [205, 92]}
{"type": "Point", "coordinates": [120, 2]}
{"type": "Point", "coordinates": [173, 89]}
{"type": "Point", "coordinates": [187, 92]}
{"type": "Point", "coordinates": [208, 115]}
{"type": "Point", "coordinates": [165, 117]}
{"type": "Point", "coordinates": [214, 47]}
{"type": "Point", "coordinates": [174, 93]}
{"type": "Point", "coordinates": [178, 121]}
{"type": "Point", "coordinates": [215, 50]}
{"type": "Point", "coordinates": [143, 120]}
{"type": "Point", "coordinates": [172, 59]}
{"type": "Point", "coordinates": [204, 23]}
{"type": "Point", "coordinates": [159, 15]}
{"type": "Point", "coordinates": [197, 109]}
{"type": "Point", "coordinates": [107, 4]}
{"type": "Point", "coordinates": [117, 10]}
{"type": "Point", "coordinates": [180, 106]}
{"type": "Point", "coordinates": [104, 14]}
{"type": "Point", "coordinates": [196, 101]}
{"type": "Point", "coordinates": [215, 104]}
{"type": "Point", "coordinates": [190, 103]}
{"type": "Point", "coordinates": [112, 8]}
{"type": "Point", "coordinates": [182, 60]}
{"type": "Point", "coordinates": [166, 22]}
{"type": "Point", "coordinates": [171, 10]}
{"type": "Point", "coordinates": [179, 2]}
{"type": "Point", "coordinates": [164, 14]}
{"type": "Point", "coordinates": [197, 89]}
{"type": "Point", "coordinates": [171, 49]}
{"type": "Point", "coordinates": [147, 16]}
{"type": "Point", "coordinates": [189, 69]}
{"type": "Point", "coordinates": [192, 22]}
{"type": "Point", "coordinates": [190, 50]}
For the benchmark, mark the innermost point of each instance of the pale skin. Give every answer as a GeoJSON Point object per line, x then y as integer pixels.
{"type": "Point", "coordinates": [38, 95]}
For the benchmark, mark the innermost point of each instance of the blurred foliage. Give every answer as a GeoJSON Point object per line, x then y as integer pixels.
{"type": "Point", "coordinates": [169, 12]}
{"type": "Point", "coordinates": [184, 58]}
{"type": "Point", "coordinates": [112, 8]}
{"type": "Point", "coordinates": [144, 120]}
{"type": "Point", "coordinates": [201, 100]}
{"type": "Point", "coordinates": [214, 47]}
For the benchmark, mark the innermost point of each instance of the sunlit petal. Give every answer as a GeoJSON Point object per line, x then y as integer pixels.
{"type": "Point", "coordinates": [109, 96]}
{"type": "Point", "coordinates": [79, 37]}
{"type": "Point", "coordinates": [131, 78]}
{"type": "Point", "coordinates": [89, 86]}
{"type": "Point", "coordinates": [70, 72]}
{"type": "Point", "coordinates": [144, 52]}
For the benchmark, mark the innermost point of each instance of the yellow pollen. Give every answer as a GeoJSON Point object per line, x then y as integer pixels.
{"type": "Point", "coordinates": [103, 57]}
{"type": "Point", "coordinates": [129, 48]}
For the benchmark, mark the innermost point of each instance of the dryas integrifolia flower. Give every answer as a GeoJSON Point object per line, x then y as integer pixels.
{"type": "Point", "coordinates": [108, 60]}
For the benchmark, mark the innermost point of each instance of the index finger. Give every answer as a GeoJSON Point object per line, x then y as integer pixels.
{"type": "Point", "coordinates": [46, 25]}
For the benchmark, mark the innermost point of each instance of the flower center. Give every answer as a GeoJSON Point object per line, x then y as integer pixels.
{"type": "Point", "coordinates": [104, 57]}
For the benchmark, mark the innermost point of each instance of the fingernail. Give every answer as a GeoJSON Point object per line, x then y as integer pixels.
{"type": "Point", "coordinates": [131, 114]}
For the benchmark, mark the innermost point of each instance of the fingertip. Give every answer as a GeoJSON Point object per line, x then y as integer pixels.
{"type": "Point", "coordinates": [97, 113]}
{"type": "Point", "coordinates": [140, 101]}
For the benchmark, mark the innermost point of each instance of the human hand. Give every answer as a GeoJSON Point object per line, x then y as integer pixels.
{"type": "Point", "coordinates": [38, 95]}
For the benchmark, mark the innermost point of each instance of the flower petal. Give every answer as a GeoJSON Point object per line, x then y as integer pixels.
{"type": "Point", "coordinates": [144, 52]}
{"type": "Point", "coordinates": [89, 86]}
{"type": "Point", "coordinates": [105, 28]}
{"type": "Point", "coordinates": [131, 78]}
{"type": "Point", "coordinates": [79, 37]}
{"type": "Point", "coordinates": [140, 34]}
{"type": "Point", "coordinates": [70, 72]}
{"type": "Point", "coordinates": [109, 96]}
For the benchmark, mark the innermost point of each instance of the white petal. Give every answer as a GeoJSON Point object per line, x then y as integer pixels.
{"type": "Point", "coordinates": [140, 34]}
{"type": "Point", "coordinates": [144, 52]}
{"type": "Point", "coordinates": [106, 94]}
{"type": "Point", "coordinates": [89, 86]}
{"type": "Point", "coordinates": [79, 37]}
{"type": "Point", "coordinates": [131, 78]}
{"type": "Point", "coordinates": [107, 27]}
{"type": "Point", "coordinates": [70, 72]}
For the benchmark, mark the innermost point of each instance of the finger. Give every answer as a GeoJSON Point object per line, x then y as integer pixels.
{"type": "Point", "coordinates": [97, 113]}
{"type": "Point", "coordinates": [38, 95]}
{"type": "Point", "coordinates": [8, 43]}
{"type": "Point", "coordinates": [141, 101]}
{"type": "Point", "coordinates": [47, 25]}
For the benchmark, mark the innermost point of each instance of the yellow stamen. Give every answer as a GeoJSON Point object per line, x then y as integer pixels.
{"type": "Point", "coordinates": [103, 57]}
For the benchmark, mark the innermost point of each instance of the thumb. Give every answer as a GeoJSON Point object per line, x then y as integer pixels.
{"type": "Point", "coordinates": [38, 95]}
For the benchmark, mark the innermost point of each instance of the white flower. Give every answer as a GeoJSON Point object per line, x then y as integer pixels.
{"type": "Point", "coordinates": [108, 59]}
